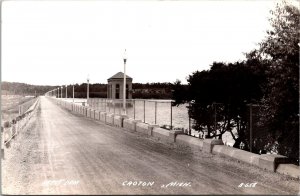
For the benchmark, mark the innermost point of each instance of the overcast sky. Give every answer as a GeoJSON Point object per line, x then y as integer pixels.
{"type": "Point", "coordinates": [61, 42]}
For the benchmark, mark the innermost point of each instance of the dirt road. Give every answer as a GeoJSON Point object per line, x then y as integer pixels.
{"type": "Point", "coordinates": [64, 153]}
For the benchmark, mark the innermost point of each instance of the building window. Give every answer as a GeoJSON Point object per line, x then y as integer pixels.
{"type": "Point", "coordinates": [110, 89]}
{"type": "Point", "coordinates": [117, 91]}
{"type": "Point", "coordinates": [127, 91]}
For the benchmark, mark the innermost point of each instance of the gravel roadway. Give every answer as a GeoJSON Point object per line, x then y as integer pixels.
{"type": "Point", "coordinates": [65, 153]}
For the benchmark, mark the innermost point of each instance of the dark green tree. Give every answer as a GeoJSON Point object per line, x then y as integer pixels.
{"type": "Point", "coordinates": [179, 93]}
{"type": "Point", "coordinates": [281, 100]}
{"type": "Point", "coordinates": [225, 90]}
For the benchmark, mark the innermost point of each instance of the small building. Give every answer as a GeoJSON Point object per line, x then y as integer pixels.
{"type": "Point", "coordinates": [115, 86]}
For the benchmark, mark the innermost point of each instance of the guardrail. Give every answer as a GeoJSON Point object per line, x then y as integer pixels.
{"type": "Point", "coordinates": [25, 106]}
{"type": "Point", "coordinates": [11, 128]}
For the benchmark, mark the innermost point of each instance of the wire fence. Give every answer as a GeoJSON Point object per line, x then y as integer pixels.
{"type": "Point", "coordinates": [240, 127]}
{"type": "Point", "coordinates": [25, 106]}
{"type": "Point", "coordinates": [258, 132]}
{"type": "Point", "coordinates": [192, 119]}
{"type": "Point", "coordinates": [158, 112]}
{"type": "Point", "coordinates": [11, 128]}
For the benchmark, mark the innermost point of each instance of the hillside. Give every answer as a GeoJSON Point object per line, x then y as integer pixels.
{"type": "Point", "coordinates": [16, 88]}
{"type": "Point", "coordinates": [141, 91]}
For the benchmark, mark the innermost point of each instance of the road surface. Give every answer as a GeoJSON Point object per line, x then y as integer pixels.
{"type": "Point", "coordinates": [65, 153]}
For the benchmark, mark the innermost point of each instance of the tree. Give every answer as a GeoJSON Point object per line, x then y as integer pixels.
{"type": "Point", "coordinates": [225, 90]}
{"type": "Point", "coordinates": [269, 76]}
{"type": "Point", "coordinates": [281, 100]}
{"type": "Point", "coordinates": [179, 93]}
{"type": "Point", "coordinates": [25, 89]}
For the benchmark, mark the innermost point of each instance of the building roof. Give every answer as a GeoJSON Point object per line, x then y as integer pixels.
{"type": "Point", "coordinates": [119, 75]}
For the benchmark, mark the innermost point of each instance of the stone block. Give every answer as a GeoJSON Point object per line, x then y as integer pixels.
{"type": "Point", "coordinates": [88, 114]}
{"type": "Point", "coordinates": [103, 116]}
{"type": "Point", "coordinates": [117, 121]}
{"type": "Point", "coordinates": [271, 161]}
{"type": "Point", "coordinates": [97, 115]}
{"type": "Point", "coordinates": [143, 128]}
{"type": "Point", "coordinates": [130, 124]}
{"type": "Point", "coordinates": [209, 143]}
{"type": "Point", "coordinates": [162, 134]}
{"type": "Point", "coordinates": [238, 154]}
{"type": "Point", "coordinates": [123, 117]}
{"type": "Point", "coordinates": [109, 119]}
{"type": "Point", "coordinates": [289, 169]}
{"type": "Point", "coordinates": [150, 129]}
{"type": "Point", "coordinates": [194, 143]}
{"type": "Point", "coordinates": [174, 133]}
{"type": "Point", "coordinates": [94, 114]}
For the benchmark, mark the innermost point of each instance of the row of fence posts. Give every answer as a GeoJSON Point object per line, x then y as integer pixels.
{"type": "Point", "coordinates": [110, 104]}
{"type": "Point", "coordinates": [25, 106]}
{"type": "Point", "coordinates": [11, 129]}
{"type": "Point", "coordinates": [251, 107]}
{"type": "Point", "coordinates": [250, 122]}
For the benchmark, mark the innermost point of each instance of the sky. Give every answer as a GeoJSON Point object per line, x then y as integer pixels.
{"type": "Point", "coordinates": [64, 42]}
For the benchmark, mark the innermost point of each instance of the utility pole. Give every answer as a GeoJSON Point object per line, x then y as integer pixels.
{"type": "Point", "coordinates": [73, 93]}
{"type": "Point", "coordinates": [251, 131]}
{"type": "Point", "coordinates": [88, 90]}
{"type": "Point", "coordinates": [124, 86]}
{"type": "Point", "coordinates": [215, 116]}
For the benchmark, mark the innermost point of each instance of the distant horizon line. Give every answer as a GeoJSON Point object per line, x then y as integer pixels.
{"type": "Point", "coordinates": [90, 83]}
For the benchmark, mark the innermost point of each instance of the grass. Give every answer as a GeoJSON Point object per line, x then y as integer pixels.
{"type": "Point", "coordinates": [10, 106]}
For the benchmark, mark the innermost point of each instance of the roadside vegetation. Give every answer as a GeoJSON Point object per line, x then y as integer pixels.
{"type": "Point", "coordinates": [10, 106]}
{"type": "Point", "coordinates": [269, 78]}
{"type": "Point", "coordinates": [97, 90]}
{"type": "Point", "coordinates": [140, 91]}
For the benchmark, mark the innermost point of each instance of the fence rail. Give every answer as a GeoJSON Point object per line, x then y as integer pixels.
{"type": "Point", "coordinates": [152, 111]}
{"type": "Point", "coordinates": [161, 112]}
{"type": "Point", "coordinates": [138, 109]}
{"type": "Point", "coordinates": [25, 106]}
{"type": "Point", "coordinates": [148, 111]}
{"type": "Point", "coordinates": [11, 128]}
{"type": "Point", "coordinates": [246, 123]}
